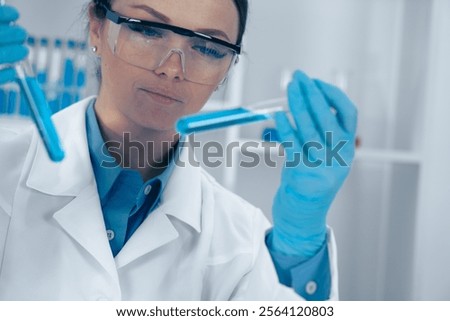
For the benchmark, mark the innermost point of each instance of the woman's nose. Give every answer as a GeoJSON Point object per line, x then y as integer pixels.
{"type": "Point", "coordinates": [172, 65]}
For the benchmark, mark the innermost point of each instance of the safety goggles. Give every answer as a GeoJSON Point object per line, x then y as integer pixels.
{"type": "Point", "coordinates": [146, 44]}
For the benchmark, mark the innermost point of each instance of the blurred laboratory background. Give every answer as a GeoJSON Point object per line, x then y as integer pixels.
{"type": "Point", "coordinates": [392, 57]}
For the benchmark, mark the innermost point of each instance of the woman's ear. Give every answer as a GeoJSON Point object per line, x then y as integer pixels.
{"type": "Point", "coordinates": [95, 30]}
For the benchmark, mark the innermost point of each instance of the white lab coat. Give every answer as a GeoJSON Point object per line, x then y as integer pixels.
{"type": "Point", "coordinates": [202, 243]}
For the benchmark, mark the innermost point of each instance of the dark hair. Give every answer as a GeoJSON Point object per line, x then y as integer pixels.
{"type": "Point", "coordinates": [241, 5]}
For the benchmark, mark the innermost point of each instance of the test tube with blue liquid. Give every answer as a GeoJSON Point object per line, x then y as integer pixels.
{"type": "Point", "coordinates": [24, 109]}
{"type": "Point", "coordinates": [31, 43]}
{"type": "Point", "coordinates": [212, 120]}
{"type": "Point", "coordinates": [68, 74]}
{"type": "Point", "coordinates": [54, 80]}
{"type": "Point", "coordinates": [9, 99]}
{"type": "Point", "coordinates": [39, 108]}
{"type": "Point", "coordinates": [3, 105]}
{"type": "Point", "coordinates": [42, 61]}
{"type": "Point", "coordinates": [80, 67]}
{"type": "Point", "coordinates": [13, 100]}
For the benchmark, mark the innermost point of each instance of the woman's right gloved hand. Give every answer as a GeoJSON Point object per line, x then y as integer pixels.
{"type": "Point", "coordinates": [12, 47]}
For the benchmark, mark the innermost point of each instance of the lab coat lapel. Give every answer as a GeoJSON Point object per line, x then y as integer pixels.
{"type": "Point", "coordinates": [181, 200]}
{"type": "Point", "coordinates": [182, 197]}
{"type": "Point", "coordinates": [155, 232]}
{"type": "Point", "coordinates": [74, 173]}
{"type": "Point", "coordinates": [81, 218]}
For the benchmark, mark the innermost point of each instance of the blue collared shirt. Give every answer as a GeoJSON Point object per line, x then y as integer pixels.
{"type": "Point", "coordinates": [127, 200]}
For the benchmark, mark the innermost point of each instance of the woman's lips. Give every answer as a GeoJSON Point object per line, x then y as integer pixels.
{"type": "Point", "coordinates": [162, 97]}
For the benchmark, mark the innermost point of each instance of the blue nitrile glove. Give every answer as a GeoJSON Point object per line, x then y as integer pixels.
{"type": "Point", "coordinates": [12, 48]}
{"type": "Point", "coordinates": [319, 151]}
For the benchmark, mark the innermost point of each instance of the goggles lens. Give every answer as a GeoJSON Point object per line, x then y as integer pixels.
{"type": "Point", "coordinates": [146, 46]}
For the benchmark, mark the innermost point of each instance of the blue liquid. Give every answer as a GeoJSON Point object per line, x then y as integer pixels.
{"type": "Point", "coordinates": [3, 107]}
{"type": "Point", "coordinates": [12, 102]}
{"type": "Point", "coordinates": [42, 77]}
{"type": "Point", "coordinates": [270, 135]}
{"type": "Point", "coordinates": [67, 98]}
{"type": "Point", "coordinates": [81, 83]}
{"type": "Point", "coordinates": [217, 119]}
{"type": "Point", "coordinates": [24, 108]}
{"type": "Point", "coordinates": [69, 72]}
{"type": "Point", "coordinates": [81, 78]}
{"type": "Point", "coordinates": [41, 116]}
{"type": "Point", "coordinates": [54, 105]}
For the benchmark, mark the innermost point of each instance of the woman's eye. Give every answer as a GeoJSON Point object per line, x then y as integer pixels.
{"type": "Point", "coordinates": [210, 52]}
{"type": "Point", "coordinates": [145, 30]}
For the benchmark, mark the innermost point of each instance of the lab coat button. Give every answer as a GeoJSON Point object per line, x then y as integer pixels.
{"type": "Point", "coordinates": [311, 287]}
{"type": "Point", "coordinates": [148, 189]}
{"type": "Point", "coordinates": [110, 234]}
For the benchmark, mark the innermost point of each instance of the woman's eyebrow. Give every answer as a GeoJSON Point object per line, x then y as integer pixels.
{"type": "Point", "coordinates": [153, 12]}
{"type": "Point", "coordinates": [208, 31]}
{"type": "Point", "coordinates": [214, 33]}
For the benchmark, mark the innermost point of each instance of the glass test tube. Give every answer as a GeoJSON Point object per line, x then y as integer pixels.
{"type": "Point", "coordinates": [68, 74]}
{"type": "Point", "coordinates": [40, 111]}
{"type": "Point", "coordinates": [230, 117]}
{"type": "Point", "coordinates": [80, 69]}
{"type": "Point", "coordinates": [54, 76]}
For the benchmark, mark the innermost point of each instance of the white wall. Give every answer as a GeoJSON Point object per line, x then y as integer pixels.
{"type": "Point", "coordinates": [52, 18]}
{"type": "Point", "coordinates": [328, 39]}
{"type": "Point", "coordinates": [432, 243]}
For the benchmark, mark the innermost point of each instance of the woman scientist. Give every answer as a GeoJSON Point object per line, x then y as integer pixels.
{"type": "Point", "coordinates": [85, 230]}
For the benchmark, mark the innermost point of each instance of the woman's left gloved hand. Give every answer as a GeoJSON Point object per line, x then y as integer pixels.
{"type": "Point", "coordinates": [12, 38]}
{"type": "Point", "coordinates": [319, 151]}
